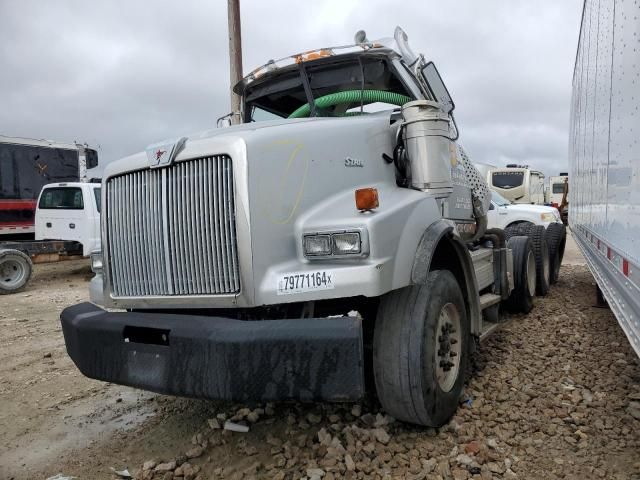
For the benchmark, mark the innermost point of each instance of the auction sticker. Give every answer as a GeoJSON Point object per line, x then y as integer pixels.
{"type": "Point", "coordinates": [300, 282]}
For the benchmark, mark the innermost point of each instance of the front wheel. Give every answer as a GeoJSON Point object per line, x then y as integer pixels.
{"type": "Point", "coordinates": [420, 350]}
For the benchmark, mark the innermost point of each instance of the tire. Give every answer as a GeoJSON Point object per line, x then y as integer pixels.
{"type": "Point", "coordinates": [538, 236]}
{"type": "Point", "coordinates": [556, 240]}
{"type": "Point", "coordinates": [15, 271]}
{"type": "Point", "coordinates": [516, 229]}
{"type": "Point", "coordinates": [524, 273]}
{"type": "Point", "coordinates": [413, 342]}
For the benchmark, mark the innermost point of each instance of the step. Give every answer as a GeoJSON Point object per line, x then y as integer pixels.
{"type": "Point", "coordinates": [489, 299]}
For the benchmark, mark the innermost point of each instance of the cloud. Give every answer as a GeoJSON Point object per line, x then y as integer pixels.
{"type": "Point", "coordinates": [124, 74]}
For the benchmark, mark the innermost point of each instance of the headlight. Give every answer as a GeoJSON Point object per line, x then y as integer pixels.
{"type": "Point", "coordinates": [548, 217]}
{"type": "Point", "coordinates": [315, 245]}
{"type": "Point", "coordinates": [96, 262]}
{"type": "Point", "coordinates": [346, 243]}
{"type": "Point", "coordinates": [338, 244]}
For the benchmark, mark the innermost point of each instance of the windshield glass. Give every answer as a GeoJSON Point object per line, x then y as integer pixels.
{"type": "Point", "coordinates": [507, 179]}
{"type": "Point", "coordinates": [499, 199]}
{"type": "Point", "coordinates": [352, 86]}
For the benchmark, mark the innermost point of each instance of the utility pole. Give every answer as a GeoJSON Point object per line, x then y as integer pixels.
{"type": "Point", "coordinates": [235, 55]}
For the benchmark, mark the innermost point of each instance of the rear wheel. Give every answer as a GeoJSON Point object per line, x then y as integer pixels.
{"type": "Point", "coordinates": [15, 271]}
{"type": "Point", "coordinates": [537, 234]}
{"type": "Point", "coordinates": [524, 275]}
{"type": "Point", "coordinates": [556, 240]}
{"type": "Point", "coordinates": [421, 347]}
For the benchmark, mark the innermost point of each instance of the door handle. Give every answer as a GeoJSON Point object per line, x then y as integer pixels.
{"type": "Point", "coordinates": [72, 226]}
{"type": "Point", "coordinates": [48, 224]}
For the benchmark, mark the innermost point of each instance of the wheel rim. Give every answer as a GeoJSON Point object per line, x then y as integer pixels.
{"type": "Point", "coordinates": [448, 345]}
{"type": "Point", "coordinates": [531, 273]}
{"type": "Point", "coordinates": [12, 273]}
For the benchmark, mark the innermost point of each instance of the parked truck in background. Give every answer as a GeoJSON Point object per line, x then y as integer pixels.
{"type": "Point", "coordinates": [604, 155]}
{"type": "Point", "coordinates": [557, 186]}
{"type": "Point", "coordinates": [238, 253]}
{"type": "Point", "coordinates": [518, 184]}
{"type": "Point", "coordinates": [26, 165]}
{"type": "Point", "coordinates": [67, 227]}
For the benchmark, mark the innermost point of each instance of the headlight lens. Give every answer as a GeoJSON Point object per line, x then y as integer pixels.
{"type": "Point", "coordinates": [96, 262]}
{"type": "Point", "coordinates": [548, 217]}
{"type": "Point", "coordinates": [346, 243]}
{"type": "Point", "coordinates": [328, 244]}
{"type": "Point", "coordinates": [315, 245]}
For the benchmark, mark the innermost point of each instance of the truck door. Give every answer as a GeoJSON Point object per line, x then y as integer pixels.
{"type": "Point", "coordinates": [60, 214]}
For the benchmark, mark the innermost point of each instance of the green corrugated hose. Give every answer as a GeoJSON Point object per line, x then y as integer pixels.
{"type": "Point", "coordinates": [352, 96]}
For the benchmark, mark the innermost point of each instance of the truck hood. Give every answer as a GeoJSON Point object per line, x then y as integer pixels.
{"type": "Point", "coordinates": [523, 207]}
{"type": "Point", "coordinates": [208, 141]}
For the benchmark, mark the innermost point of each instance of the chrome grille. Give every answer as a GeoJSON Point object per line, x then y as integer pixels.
{"type": "Point", "coordinates": [172, 231]}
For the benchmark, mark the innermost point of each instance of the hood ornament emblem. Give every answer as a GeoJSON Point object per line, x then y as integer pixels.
{"type": "Point", "coordinates": [162, 154]}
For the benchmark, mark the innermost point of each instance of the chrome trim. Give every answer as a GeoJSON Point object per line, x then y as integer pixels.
{"type": "Point", "coordinates": [160, 239]}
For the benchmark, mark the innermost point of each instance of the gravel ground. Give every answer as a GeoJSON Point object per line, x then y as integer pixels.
{"type": "Point", "coordinates": [556, 394]}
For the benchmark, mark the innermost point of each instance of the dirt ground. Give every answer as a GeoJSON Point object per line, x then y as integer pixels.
{"type": "Point", "coordinates": [556, 394]}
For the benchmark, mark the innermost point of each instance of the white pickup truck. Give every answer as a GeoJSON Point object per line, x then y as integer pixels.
{"type": "Point", "coordinates": [70, 211]}
{"type": "Point", "coordinates": [67, 226]}
{"type": "Point", "coordinates": [503, 213]}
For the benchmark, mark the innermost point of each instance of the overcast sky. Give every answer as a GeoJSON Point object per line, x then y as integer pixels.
{"type": "Point", "coordinates": [122, 74]}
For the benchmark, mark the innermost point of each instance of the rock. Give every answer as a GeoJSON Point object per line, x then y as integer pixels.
{"type": "Point", "coordinates": [492, 443]}
{"type": "Point", "coordinates": [214, 424]}
{"type": "Point", "coordinates": [242, 413]}
{"type": "Point", "coordinates": [381, 435]}
{"type": "Point", "coordinates": [472, 447]}
{"type": "Point", "coordinates": [165, 467]}
{"type": "Point", "coordinates": [315, 472]}
{"type": "Point", "coordinates": [313, 418]}
{"type": "Point", "coordinates": [634, 409]}
{"type": "Point", "coordinates": [333, 418]}
{"type": "Point", "coordinates": [324, 438]}
{"type": "Point", "coordinates": [383, 420]}
{"type": "Point", "coordinates": [149, 465]}
{"type": "Point", "coordinates": [349, 463]}
{"type": "Point", "coordinates": [356, 410]}
{"type": "Point", "coordinates": [459, 474]}
{"type": "Point", "coordinates": [429, 465]}
{"type": "Point", "coordinates": [253, 417]}
{"type": "Point", "coordinates": [195, 452]}
{"type": "Point", "coordinates": [47, 355]}
{"type": "Point", "coordinates": [464, 459]}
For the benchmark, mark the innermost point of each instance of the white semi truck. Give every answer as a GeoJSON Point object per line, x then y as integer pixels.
{"type": "Point", "coordinates": [604, 155]}
{"type": "Point", "coordinates": [238, 253]}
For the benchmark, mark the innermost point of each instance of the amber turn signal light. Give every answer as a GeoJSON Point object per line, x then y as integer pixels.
{"type": "Point", "coordinates": [367, 199]}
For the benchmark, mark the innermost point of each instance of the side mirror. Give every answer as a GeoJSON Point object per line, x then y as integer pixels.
{"type": "Point", "coordinates": [437, 87]}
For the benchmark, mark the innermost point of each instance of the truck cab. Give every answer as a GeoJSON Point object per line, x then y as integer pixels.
{"type": "Point", "coordinates": [70, 211]}
{"type": "Point", "coordinates": [236, 255]}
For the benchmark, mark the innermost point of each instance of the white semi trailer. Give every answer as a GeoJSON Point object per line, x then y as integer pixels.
{"type": "Point", "coordinates": [604, 155]}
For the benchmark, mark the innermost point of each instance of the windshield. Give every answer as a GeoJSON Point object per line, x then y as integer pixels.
{"type": "Point", "coordinates": [499, 199]}
{"type": "Point", "coordinates": [352, 86]}
{"type": "Point", "coordinates": [507, 179]}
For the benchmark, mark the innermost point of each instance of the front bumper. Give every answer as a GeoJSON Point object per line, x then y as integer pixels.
{"type": "Point", "coordinates": [218, 358]}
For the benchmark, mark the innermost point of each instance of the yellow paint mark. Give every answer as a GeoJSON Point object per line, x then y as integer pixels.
{"type": "Point", "coordinates": [275, 198]}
